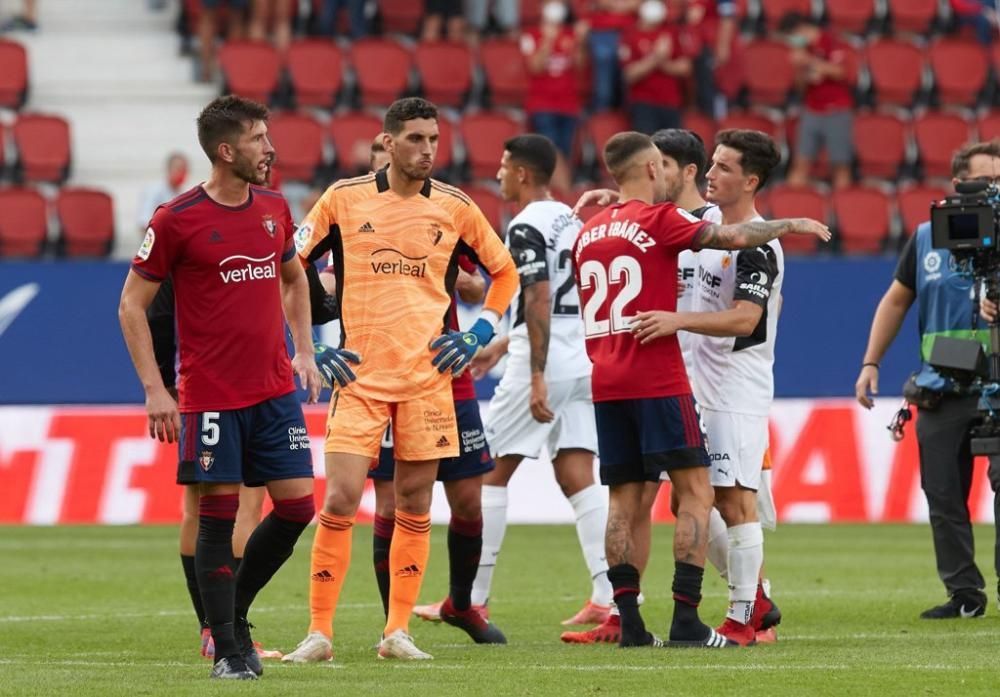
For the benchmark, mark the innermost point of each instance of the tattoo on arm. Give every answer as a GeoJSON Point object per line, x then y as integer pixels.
{"type": "Point", "coordinates": [741, 235]}
{"type": "Point", "coordinates": [537, 319]}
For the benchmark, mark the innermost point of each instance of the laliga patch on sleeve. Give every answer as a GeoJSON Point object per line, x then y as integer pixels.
{"type": "Point", "coordinates": [147, 244]}
{"type": "Point", "coordinates": [302, 236]}
{"type": "Point", "coordinates": [687, 216]}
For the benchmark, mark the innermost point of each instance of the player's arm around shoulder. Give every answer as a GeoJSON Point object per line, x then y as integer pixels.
{"type": "Point", "coordinates": [756, 233]}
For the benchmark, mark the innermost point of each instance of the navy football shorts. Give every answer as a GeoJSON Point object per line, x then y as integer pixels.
{"type": "Point", "coordinates": [638, 439]}
{"type": "Point", "coordinates": [474, 456]}
{"type": "Point", "coordinates": [253, 445]}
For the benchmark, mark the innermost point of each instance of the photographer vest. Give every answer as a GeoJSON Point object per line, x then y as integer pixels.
{"type": "Point", "coordinates": [944, 306]}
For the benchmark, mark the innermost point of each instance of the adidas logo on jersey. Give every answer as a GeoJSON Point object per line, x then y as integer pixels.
{"type": "Point", "coordinates": [443, 442]}
{"type": "Point", "coordinates": [367, 227]}
{"type": "Point", "coordinates": [215, 237]}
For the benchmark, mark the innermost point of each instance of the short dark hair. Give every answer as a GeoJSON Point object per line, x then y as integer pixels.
{"type": "Point", "coordinates": [758, 153]}
{"type": "Point", "coordinates": [535, 152]}
{"type": "Point", "coordinates": [407, 109]}
{"type": "Point", "coordinates": [686, 147]}
{"type": "Point", "coordinates": [622, 147]}
{"type": "Point", "coordinates": [963, 157]}
{"type": "Point", "coordinates": [790, 21]}
{"type": "Point", "coordinates": [224, 119]}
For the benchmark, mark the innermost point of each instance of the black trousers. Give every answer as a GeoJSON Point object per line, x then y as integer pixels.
{"type": "Point", "coordinates": [943, 436]}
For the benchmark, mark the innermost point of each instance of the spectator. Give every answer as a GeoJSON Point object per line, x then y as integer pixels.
{"type": "Point", "coordinates": [713, 24]}
{"type": "Point", "coordinates": [208, 30]}
{"type": "Point", "coordinates": [605, 24]}
{"type": "Point", "coordinates": [981, 15]}
{"type": "Point", "coordinates": [329, 11]}
{"type": "Point", "coordinates": [821, 68]}
{"type": "Point", "coordinates": [276, 14]}
{"type": "Point", "coordinates": [554, 54]}
{"type": "Point", "coordinates": [444, 19]}
{"type": "Point", "coordinates": [505, 14]}
{"type": "Point", "coordinates": [655, 56]}
{"type": "Point", "coordinates": [163, 191]}
{"type": "Point", "coordinates": [27, 20]}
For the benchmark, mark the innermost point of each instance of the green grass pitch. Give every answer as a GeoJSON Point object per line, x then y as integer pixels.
{"type": "Point", "coordinates": [103, 611]}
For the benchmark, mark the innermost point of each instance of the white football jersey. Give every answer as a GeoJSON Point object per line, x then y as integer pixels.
{"type": "Point", "coordinates": [687, 268]}
{"type": "Point", "coordinates": [735, 374]}
{"type": "Point", "coordinates": [540, 238]}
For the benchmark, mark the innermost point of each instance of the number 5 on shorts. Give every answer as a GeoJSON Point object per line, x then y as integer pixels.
{"type": "Point", "coordinates": [210, 428]}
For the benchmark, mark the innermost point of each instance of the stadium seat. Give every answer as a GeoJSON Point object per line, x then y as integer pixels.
{"type": "Point", "coordinates": [531, 12]}
{"type": "Point", "coordinates": [484, 134]}
{"type": "Point", "coordinates": [401, 16]}
{"type": "Point", "coordinates": [960, 68]}
{"type": "Point", "coordinates": [250, 69]}
{"type": "Point", "coordinates": [879, 144]}
{"type": "Point", "coordinates": [916, 16]}
{"type": "Point", "coordinates": [704, 126]}
{"type": "Point", "coordinates": [774, 10]}
{"type": "Point", "coordinates": [598, 130]}
{"type": "Point", "coordinates": [852, 16]}
{"type": "Point", "coordinates": [346, 131]}
{"type": "Point", "coordinates": [785, 201]}
{"type": "Point", "coordinates": [23, 223]}
{"type": "Point", "coordinates": [506, 76]}
{"type": "Point", "coordinates": [914, 203]}
{"type": "Point", "coordinates": [445, 71]}
{"type": "Point", "coordinates": [43, 148]}
{"type": "Point", "coordinates": [382, 67]}
{"type": "Point", "coordinates": [754, 121]}
{"type": "Point", "coordinates": [3, 151]}
{"type": "Point", "coordinates": [864, 218]}
{"type": "Point", "coordinates": [86, 222]}
{"type": "Point", "coordinates": [490, 204]}
{"type": "Point", "coordinates": [13, 74]}
{"type": "Point", "coordinates": [298, 140]}
{"type": "Point", "coordinates": [315, 68]}
{"type": "Point", "coordinates": [768, 74]}
{"type": "Point", "coordinates": [446, 148]}
{"type": "Point", "coordinates": [988, 125]}
{"type": "Point", "coordinates": [938, 135]}
{"type": "Point", "coordinates": [896, 69]}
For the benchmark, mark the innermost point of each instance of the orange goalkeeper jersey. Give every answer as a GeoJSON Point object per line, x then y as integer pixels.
{"type": "Point", "coordinates": [395, 261]}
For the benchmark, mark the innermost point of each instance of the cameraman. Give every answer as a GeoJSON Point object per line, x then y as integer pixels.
{"type": "Point", "coordinates": [946, 416]}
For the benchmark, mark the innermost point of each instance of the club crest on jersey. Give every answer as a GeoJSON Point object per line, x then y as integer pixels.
{"type": "Point", "coordinates": [206, 460]}
{"type": "Point", "coordinates": [435, 234]}
{"type": "Point", "coordinates": [269, 226]}
{"type": "Point", "coordinates": [726, 261]}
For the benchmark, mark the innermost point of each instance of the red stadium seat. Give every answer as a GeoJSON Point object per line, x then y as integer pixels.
{"type": "Point", "coordinates": [938, 136]}
{"type": "Point", "coordinates": [23, 223]}
{"type": "Point", "coordinates": [490, 204]}
{"type": "Point", "coordinates": [915, 16]}
{"type": "Point", "coordinates": [896, 69]}
{"type": "Point", "coordinates": [914, 204]}
{"type": "Point", "coordinates": [43, 148]}
{"type": "Point", "coordinates": [445, 71]}
{"type": "Point", "coordinates": [250, 69]}
{"type": "Point", "coordinates": [988, 125]}
{"type": "Point", "coordinates": [401, 16]}
{"type": "Point", "coordinates": [768, 73]}
{"type": "Point", "coordinates": [753, 121]}
{"type": "Point", "coordinates": [864, 218]}
{"type": "Point", "coordinates": [383, 70]}
{"type": "Point", "coordinates": [531, 12]}
{"type": "Point", "coordinates": [446, 146]}
{"type": "Point", "coordinates": [879, 144]}
{"type": "Point", "coordinates": [785, 201]}
{"type": "Point", "coordinates": [298, 140]}
{"type": "Point", "coordinates": [346, 131]}
{"type": "Point", "coordinates": [852, 16]}
{"type": "Point", "coordinates": [506, 76]}
{"type": "Point", "coordinates": [961, 68]}
{"type": "Point", "coordinates": [13, 74]}
{"type": "Point", "coordinates": [86, 222]}
{"type": "Point", "coordinates": [704, 126]}
{"type": "Point", "coordinates": [774, 10]}
{"type": "Point", "coordinates": [484, 134]}
{"type": "Point", "coordinates": [316, 72]}
{"type": "Point", "coordinates": [599, 129]}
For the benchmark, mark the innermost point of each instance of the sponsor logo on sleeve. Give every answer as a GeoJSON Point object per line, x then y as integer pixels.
{"type": "Point", "coordinates": [302, 236]}
{"type": "Point", "coordinates": [147, 244]}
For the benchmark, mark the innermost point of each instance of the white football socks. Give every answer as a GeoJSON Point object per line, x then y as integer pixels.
{"type": "Point", "coordinates": [494, 528]}
{"type": "Point", "coordinates": [591, 508]}
{"type": "Point", "coordinates": [746, 554]}
{"type": "Point", "coordinates": [718, 543]}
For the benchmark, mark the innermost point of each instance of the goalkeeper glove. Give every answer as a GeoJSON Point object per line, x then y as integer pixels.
{"type": "Point", "coordinates": [457, 348]}
{"type": "Point", "coordinates": [333, 365]}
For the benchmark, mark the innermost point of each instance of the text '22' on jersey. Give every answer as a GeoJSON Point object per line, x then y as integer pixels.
{"type": "Point", "coordinates": [626, 262]}
{"type": "Point", "coordinates": [225, 262]}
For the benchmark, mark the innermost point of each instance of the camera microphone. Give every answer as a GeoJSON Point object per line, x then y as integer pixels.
{"type": "Point", "coordinates": [973, 187]}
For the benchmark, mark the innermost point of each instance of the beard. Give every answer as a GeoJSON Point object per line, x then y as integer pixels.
{"type": "Point", "coordinates": [413, 172]}
{"type": "Point", "coordinates": [246, 170]}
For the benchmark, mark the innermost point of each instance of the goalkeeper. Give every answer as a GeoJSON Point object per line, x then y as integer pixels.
{"type": "Point", "coordinates": [395, 237]}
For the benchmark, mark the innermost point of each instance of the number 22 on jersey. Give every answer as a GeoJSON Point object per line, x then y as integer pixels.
{"type": "Point", "coordinates": [622, 280]}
